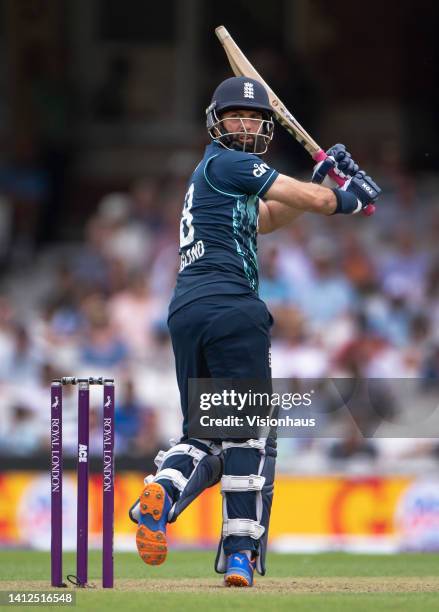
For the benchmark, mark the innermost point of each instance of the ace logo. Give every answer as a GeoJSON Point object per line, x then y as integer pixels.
{"type": "Point", "coordinates": [260, 169]}
{"type": "Point", "coordinates": [83, 453]}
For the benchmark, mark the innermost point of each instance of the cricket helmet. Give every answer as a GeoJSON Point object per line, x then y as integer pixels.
{"type": "Point", "coordinates": [239, 93]}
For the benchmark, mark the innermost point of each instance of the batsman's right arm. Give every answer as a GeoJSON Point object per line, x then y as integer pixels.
{"type": "Point", "coordinates": [357, 193]}
{"type": "Point", "coordinates": [301, 196]}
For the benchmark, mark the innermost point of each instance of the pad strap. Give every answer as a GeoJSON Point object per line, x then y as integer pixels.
{"type": "Point", "coordinates": [177, 478]}
{"type": "Point", "coordinates": [259, 444]}
{"type": "Point", "coordinates": [231, 483]}
{"type": "Point", "coordinates": [242, 527]}
{"type": "Point", "coordinates": [180, 449]}
{"type": "Point", "coordinates": [214, 449]}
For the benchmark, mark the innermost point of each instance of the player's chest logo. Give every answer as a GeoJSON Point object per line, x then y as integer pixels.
{"type": "Point", "coordinates": [259, 169]}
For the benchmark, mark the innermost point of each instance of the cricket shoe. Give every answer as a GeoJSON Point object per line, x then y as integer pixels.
{"type": "Point", "coordinates": [239, 571]}
{"type": "Point", "coordinates": [154, 507]}
{"type": "Point", "coordinates": [134, 511]}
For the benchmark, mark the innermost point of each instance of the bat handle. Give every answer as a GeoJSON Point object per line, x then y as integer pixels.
{"type": "Point", "coordinates": [320, 156]}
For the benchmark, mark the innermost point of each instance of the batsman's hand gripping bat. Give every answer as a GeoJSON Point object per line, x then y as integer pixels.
{"type": "Point", "coordinates": [242, 67]}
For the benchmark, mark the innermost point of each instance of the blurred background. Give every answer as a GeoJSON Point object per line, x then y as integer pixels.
{"type": "Point", "coordinates": [101, 123]}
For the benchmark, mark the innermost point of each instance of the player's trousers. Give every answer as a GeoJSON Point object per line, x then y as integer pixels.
{"type": "Point", "coordinates": [225, 337]}
{"type": "Point", "coordinates": [220, 337]}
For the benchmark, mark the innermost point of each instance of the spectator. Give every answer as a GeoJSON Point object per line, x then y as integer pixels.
{"type": "Point", "coordinates": [102, 346]}
{"type": "Point", "coordinates": [21, 363]}
{"type": "Point", "coordinates": [329, 294]}
{"type": "Point", "coordinates": [24, 434]}
{"type": "Point", "coordinates": [133, 312]}
{"type": "Point", "coordinates": [273, 289]}
{"type": "Point", "coordinates": [131, 419]}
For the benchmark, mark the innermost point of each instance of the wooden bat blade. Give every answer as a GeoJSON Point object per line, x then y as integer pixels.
{"type": "Point", "coordinates": [242, 67]}
{"type": "Point", "coordinates": [237, 57]}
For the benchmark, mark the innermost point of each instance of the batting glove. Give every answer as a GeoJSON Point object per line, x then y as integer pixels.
{"type": "Point", "coordinates": [356, 194]}
{"type": "Point", "coordinates": [338, 160]}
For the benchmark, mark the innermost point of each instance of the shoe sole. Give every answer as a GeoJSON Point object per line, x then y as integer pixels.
{"type": "Point", "coordinates": [152, 545]}
{"type": "Point", "coordinates": [236, 580]}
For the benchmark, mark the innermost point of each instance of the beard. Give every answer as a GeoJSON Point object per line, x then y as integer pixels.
{"type": "Point", "coordinates": [248, 143]}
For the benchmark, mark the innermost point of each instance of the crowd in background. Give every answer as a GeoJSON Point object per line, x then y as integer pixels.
{"type": "Point", "coordinates": [350, 297]}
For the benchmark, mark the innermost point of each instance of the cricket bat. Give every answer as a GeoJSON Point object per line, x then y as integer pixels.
{"type": "Point", "coordinates": [242, 67]}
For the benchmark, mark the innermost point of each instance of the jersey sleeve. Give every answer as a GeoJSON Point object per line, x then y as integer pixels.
{"type": "Point", "coordinates": [235, 174]}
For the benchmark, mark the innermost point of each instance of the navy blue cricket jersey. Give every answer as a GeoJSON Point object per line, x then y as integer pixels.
{"type": "Point", "coordinates": [219, 226]}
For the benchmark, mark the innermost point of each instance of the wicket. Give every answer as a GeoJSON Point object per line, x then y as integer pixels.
{"type": "Point", "coordinates": [81, 577]}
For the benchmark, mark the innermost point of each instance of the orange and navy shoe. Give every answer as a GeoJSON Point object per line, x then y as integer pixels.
{"type": "Point", "coordinates": [155, 504]}
{"type": "Point", "coordinates": [239, 571]}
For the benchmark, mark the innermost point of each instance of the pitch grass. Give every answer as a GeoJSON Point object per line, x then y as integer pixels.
{"type": "Point", "coordinates": [327, 582]}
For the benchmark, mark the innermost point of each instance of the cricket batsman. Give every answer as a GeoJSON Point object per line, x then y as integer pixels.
{"type": "Point", "coordinates": [219, 326]}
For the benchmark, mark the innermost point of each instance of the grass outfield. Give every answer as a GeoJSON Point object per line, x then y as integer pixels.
{"type": "Point", "coordinates": [186, 582]}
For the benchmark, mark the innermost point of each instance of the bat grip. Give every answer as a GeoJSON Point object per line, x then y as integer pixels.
{"type": "Point", "coordinates": [320, 156]}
